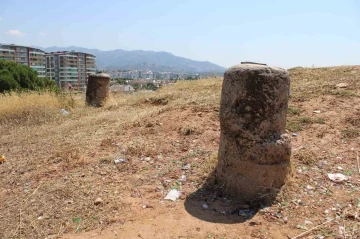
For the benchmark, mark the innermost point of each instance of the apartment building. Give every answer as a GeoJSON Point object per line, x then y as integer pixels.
{"type": "Point", "coordinates": [30, 56]}
{"type": "Point", "coordinates": [165, 75]}
{"type": "Point", "coordinates": [146, 75]}
{"type": "Point", "coordinates": [118, 74]}
{"type": "Point", "coordinates": [134, 74]}
{"type": "Point", "coordinates": [70, 68]}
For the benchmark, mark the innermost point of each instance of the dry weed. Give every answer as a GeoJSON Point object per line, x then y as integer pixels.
{"type": "Point", "coordinates": [350, 133]}
{"type": "Point", "coordinates": [353, 120]}
{"type": "Point", "coordinates": [29, 108]}
{"type": "Point", "coordinates": [298, 123]}
{"type": "Point", "coordinates": [305, 156]}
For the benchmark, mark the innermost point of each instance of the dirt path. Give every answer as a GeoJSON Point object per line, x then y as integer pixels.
{"type": "Point", "coordinates": [171, 220]}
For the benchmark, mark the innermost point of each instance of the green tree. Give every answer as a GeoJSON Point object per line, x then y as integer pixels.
{"type": "Point", "coordinates": [17, 76]}
{"type": "Point", "coordinates": [121, 81]}
{"type": "Point", "coordinates": [7, 81]}
{"type": "Point", "coordinates": [136, 86]}
{"type": "Point", "coordinates": [150, 86]}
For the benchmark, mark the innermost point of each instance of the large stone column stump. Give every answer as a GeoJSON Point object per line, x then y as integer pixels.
{"type": "Point", "coordinates": [97, 90]}
{"type": "Point", "coordinates": [254, 151]}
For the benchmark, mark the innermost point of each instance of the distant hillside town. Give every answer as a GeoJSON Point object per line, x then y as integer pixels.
{"type": "Point", "coordinates": [149, 75]}
{"type": "Point", "coordinates": [128, 81]}
{"type": "Point", "coordinates": [73, 67]}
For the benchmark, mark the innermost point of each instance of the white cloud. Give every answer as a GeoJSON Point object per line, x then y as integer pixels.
{"type": "Point", "coordinates": [43, 34]}
{"type": "Point", "coordinates": [0, 18]}
{"type": "Point", "coordinates": [15, 33]}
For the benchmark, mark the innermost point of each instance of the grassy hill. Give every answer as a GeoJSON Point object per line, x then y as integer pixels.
{"type": "Point", "coordinates": [57, 166]}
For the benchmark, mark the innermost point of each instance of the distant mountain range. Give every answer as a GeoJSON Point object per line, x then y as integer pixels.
{"type": "Point", "coordinates": [143, 60]}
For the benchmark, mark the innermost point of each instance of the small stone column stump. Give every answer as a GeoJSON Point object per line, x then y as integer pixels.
{"type": "Point", "coordinates": [254, 151]}
{"type": "Point", "coordinates": [97, 89]}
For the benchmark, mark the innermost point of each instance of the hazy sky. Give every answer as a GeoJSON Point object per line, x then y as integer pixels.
{"type": "Point", "coordinates": [283, 33]}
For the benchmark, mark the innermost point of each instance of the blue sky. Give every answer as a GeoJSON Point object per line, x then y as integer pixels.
{"type": "Point", "coordinates": [283, 33]}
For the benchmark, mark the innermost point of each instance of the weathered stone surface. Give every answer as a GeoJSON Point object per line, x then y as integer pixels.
{"type": "Point", "coordinates": [254, 152]}
{"type": "Point", "coordinates": [97, 89]}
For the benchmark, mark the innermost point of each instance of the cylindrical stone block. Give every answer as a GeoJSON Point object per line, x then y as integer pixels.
{"type": "Point", "coordinates": [254, 151]}
{"type": "Point", "coordinates": [97, 89]}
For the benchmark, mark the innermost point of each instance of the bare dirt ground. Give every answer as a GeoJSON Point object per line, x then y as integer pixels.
{"type": "Point", "coordinates": [57, 167]}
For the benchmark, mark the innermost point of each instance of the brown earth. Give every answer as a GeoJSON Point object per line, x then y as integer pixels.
{"type": "Point", "coordinates": [55, 170]}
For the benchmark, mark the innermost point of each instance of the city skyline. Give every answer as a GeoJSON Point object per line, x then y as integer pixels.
{"type": "Point", "coordinates": [73, 67]}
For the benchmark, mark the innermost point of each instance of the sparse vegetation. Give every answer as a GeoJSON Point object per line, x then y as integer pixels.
{"type": "Point", "coordinates": [294, 111]}
{"type": "Point", "coordinates": [296, 124]}
{"type": "Point", "coordinates": [56, 165]}
{"type": "Point", "coordinates": [293, 126]}
{"type": "Point", "coordinates": [350, 133]}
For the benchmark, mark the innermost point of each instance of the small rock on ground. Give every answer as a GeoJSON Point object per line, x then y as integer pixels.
{"type": "Point", "coordinates": [98, 201]}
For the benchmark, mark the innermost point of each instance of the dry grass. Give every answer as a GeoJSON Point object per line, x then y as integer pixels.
{"type": "Point", "coordinates": [312, 82]}
{"type": "Point", "coordinates": [72, 157]}
{"type": "Point", "coordinates": [29, 108]}
{"type": "Point", "coordinates": [305, 156]}
{"type": "Point", "coordinates": [350, 133]}
{"type": "Point", "coordinates": [41, 146]}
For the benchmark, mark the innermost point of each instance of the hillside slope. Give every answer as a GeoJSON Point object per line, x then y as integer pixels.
{"type": "Point", "coordinates": [57, 166]}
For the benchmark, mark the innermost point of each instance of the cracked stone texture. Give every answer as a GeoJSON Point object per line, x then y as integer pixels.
{"type": "Point", "coordinates": [254, 151]}
{"type": "Point", "coordinates": [97, 90]}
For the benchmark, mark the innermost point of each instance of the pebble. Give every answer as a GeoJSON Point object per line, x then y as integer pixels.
{"type": "Point", "coordinates": [98, 201]}
{"type": "Point", "coordinates": [183, 178]}
{"type": "Point", "coordinates": [254, 223]}
{"type": "Point", "coordinates": [308, 222]}
{"type": "Point", "coordinates": [246, 213]}
{"type": "Point", "coordinates": [309, 187]}
{"type": "Point", "coordinates": [205, 206]}
{"type": "Point", "coordinates": [147, 206]}
{"type": "Point", "coordinates": [342, 85]}
{"type": "Point", "coordinates": [120, 160]}
{"type": "Point", "coordinates": [187, 167]}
